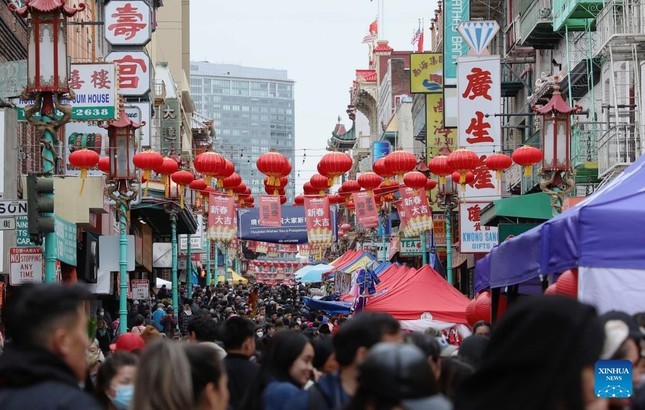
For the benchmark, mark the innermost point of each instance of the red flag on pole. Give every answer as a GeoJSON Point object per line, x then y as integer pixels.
{"type": "Point", "coordinates": [420, 43]}
{"type": "Point", "coordinates": [270, 211]}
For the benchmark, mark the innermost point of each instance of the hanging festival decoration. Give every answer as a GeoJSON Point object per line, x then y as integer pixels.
{"type": "Point", "coordinates": [498, 162]}
{"type": "Point", "coordinates": [369, 180]}
{"type": "Point", "coordinates": [463, 161]}
{"type": "Point", "coordinates": [439, 166]}
{"type": "Point", "coordinates": [104, 164]}
{"type": "Point", "coordinates": [381, 170]}
{"type": "Point", "coordinates": [182, 178]}
{"type": "Point", "coordinates": [210, 164]}
{"type": "Point", "coordinates": [319, 182]}
{"type": "Point", "coordinates": [168, 166]}
{"type": "Point", "coordinates": [274, 165]}
{"type": "Point", "coordinates": [231, 181]}
{"type": "Point", "coordinates": [334, 164]}
{"type": "Point", "coordinates": [84, 159]}
{"type": "Point", "coordinates": [399, 162]}
{"type": "Point", "coordinates": [415, 180]}
{"type": "Point", "coordinates": [299, 200]}
{"type": "Point", "coordinates": [527, 156]}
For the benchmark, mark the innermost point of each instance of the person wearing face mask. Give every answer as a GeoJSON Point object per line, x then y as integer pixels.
{"type": "Point", "coordinates": [94, 359]}
{"type": "Point", "coordinates": [115, 381]}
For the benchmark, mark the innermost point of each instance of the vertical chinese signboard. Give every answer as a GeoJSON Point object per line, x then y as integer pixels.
{"type": "Point", "coordinates": [170, 125]}
{"type": "Point", "coordinates": [317, 217]}
{"type": "Point", "coordinates": [127, 23]}
{"type": "Point", "coordinates": [474, 237]}
{"type": "Point", "coordinates": [438, 136]}
{"type": "Point", "coordinates": [270, 211]}
{"type": "Point", "coordinates": [222, 220]}
{"type": "Point", "coordinates": [454, 13]}
{"type": "Point", "coordinates": [365, 206]}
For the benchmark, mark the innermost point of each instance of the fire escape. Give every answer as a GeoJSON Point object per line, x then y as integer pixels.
{"type": "Point", "coordinates": [621, 44]}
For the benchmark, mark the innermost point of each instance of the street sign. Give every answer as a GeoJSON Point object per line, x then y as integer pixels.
{"type": "Point", "coordinates": [26, 265]}
{"type": "Point", "coordinates": [7, 224]}
{"type": "Point", "coordinates": [13, 208]}
{"type": "Point", "coordinates": [22, 232]}
{"type": "Point", "coordinates": [140, 289]}
{"type": "Point", "coordinates": [411, 246]}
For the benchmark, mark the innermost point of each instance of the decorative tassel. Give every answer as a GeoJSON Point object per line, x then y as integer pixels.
{"type": "Point", "coordinates": [146, 176]}
{"type": "Point", "coordinates": [462, 180]}
{"type": "Point", "coordinates": [498, 173]}
{"type": "Point", "coordinates": [181, 196]}
{"type": "Point", "coordinates": [442, 180]}
{"type": "Point", "coordinates": [83, 176]}
{"type": "Point", "coordinates": [208, 180]}
{"type": "Point", "coordinates": [528, 171]}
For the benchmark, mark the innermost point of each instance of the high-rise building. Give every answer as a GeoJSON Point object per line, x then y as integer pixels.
{"type": "Point", "coordinates": [253, 109]}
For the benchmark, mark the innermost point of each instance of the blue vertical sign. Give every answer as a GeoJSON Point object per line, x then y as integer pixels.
{"type": "Point", "coordinates": [380, 149]}
{"type": "Point", "coordinates": [455, 11]}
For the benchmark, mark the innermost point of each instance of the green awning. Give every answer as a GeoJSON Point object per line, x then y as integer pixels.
{"type": "Point", "coordinates": [518, 209]}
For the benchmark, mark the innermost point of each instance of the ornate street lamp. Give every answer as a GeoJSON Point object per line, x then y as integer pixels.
{"type": "Point", "coordinates": [47, 84]}
{"type": "Point", "coordinates": [121, 189]}
{"type": "Point", "coordinates": [557, 174]}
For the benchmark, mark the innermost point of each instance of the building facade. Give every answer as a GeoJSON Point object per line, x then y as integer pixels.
{"type": "Point", "coordinates": [254, 112]}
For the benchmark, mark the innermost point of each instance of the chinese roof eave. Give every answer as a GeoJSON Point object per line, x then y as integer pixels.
{"type": "Point", "coordinates": [46, 6]}
{"type": "Point", "coordinates": [122, 122]}
{"type": "Point", "coordinates": [556, 105]}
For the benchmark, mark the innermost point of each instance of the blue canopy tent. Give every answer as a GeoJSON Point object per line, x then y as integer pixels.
{"type": "Point", "coordinates": [312, 273]}
{"type": "Point", "coordinates": [602, 231]}
{"type": "Point", "coordinates": [329, 307]}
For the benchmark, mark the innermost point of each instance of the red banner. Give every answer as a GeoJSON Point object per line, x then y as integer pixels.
{"type": "Point", "coordinates": [222, 219]}
{"type": "Point", "coordinates": [417, 211]}
{"type": "Point", "coordinates": [270, 214]}
{"type": "Point", "coordinates": [365, 207]}
{"type": "Point", "coordinates": [318, 218]}
{"type": "Point", "coordinates": [403, 217]}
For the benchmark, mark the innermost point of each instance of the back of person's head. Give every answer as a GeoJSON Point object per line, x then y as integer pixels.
{"type": "Point", "coordinates": [363, 330]}
{"type": "Point", "coordinates": [472, 350]}
{"type": "Point", "coordinates": [34, 312]}
{"type": "Point", "coordinates": [208, 376]}
{"type": "Point", "coordinates": [203, 327]}
{"type": "Point", "coordinates": [163, 378]}
{"type": "Point", "coordinates": [428, 344]}
{"type": "Point", "coordinates": [139, 320]}
{"type": "Point", "coordinates": [324, 349]}
{"type": "Point", "coordinates": [150, 334]}
{"type": "Point", "coordinates": [108, 370]}
{"type": "Point", "coordinates": [454, 371]}
{"type": "Point", "coordinates": [391, 374]}
{"type": "Point", "coordinates": [235, 331]}
{"type": "Point", "coordinates": [539, 349]}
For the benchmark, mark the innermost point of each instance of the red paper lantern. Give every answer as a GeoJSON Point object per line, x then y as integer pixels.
{"type": "Point", "coordinates": [498, 163]}
{"type": "Point", "coordinates": [415, 180]}
{"type": "Point", "coordinates": [283, 199]}
{"type": "Point", "coordinates": [380, 169]}
{"type": "Point", "coordinates": [469, 178]}
{"type": "Point", "coordinates": [104, 164]}
{"type": "Point", "coordinates": [399, 162]}
{"type": "Point", "coordinates": [274, 165]}
{"type": "Point", "coordinates": [240, 188]}
{"type": "Point", "coordinates": [430, 184]}
{"type": "Point", "coordinates": [168, 166]}
{"type": "Point", "coordinates": [335, 199]}
{"type": "Point", "coordinates": [333, 165]}
{"type": "Point", "coordinates": [299, 200]}
{"type": "Point", "coordinates": [552, 289]}
{"type": "Point", "coordinates": [270, 190]}
{"type": "Point", "coordinates": [210, 164]}
{"type": "Point", "coordinates": [281, 182]}
{"type": "Point", "coordinates": [345, 227]}
{"type": "Point", "coordinates": [567, 284]}
{"type": "Point", "coordinates": [84, 159]}
{"type": "Point", "coordinates": [480, 308]}
{"type": "Point", "coordinates": [369, 180]}
{"type": "Point", "coordinates": [197, 185]}
{"type": "Point", "coordinates": [440, 167]}
{"type": "Point", "coordinates": [319, 182]}
{"type": "Point", "coordinates": [182, 178]}
{"type": "Point", "coordinates": [463, 161]}
{"type": "Point", "coordinates": [350, 205]}
{"type": "Point", "coordinates": [308, 189]}
{"type": "Point", "coordinates": [350, 186]}
{"type": "Point", "coordinates": [526, 157]}
{"type": "Point", "coordinates": [147, 161]}
{"type": "Point", "coordinates": [231, 181]}
{"type": "Point", "coordinates": [385, 192]}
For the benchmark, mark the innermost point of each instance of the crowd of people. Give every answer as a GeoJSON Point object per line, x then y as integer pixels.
{"type": "Point", "coordinates": [260, 348]}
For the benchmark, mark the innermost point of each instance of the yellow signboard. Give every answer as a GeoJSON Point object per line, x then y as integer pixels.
{"type": "Point", "coordinates": [437, 136]}
{"type": "Point", "coordinates": [426, 73]}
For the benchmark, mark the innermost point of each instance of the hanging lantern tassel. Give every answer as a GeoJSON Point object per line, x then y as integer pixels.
{"type": "Point", "coordinates": [462, 179]}
{"type": "Point", "coordinates": [528, 171]}
{"type": "Point", "coordinates": [181, 196]}
{"type": "Point", "coordinates": [83, 176]}
{"type": "Point", "coordinates": [498, 174]}
{"type": "Point", "coordinates": [220, 183]}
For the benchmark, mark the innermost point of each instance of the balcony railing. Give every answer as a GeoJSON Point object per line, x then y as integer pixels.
{"type": "Point", "coordinates": [575, 15]}
{"type": "Point", "coordinates": [618, 146]}
{"type": "Point", "coordinates": [536, 26]}
{"type": "Point", "coordinates": [621, 23]}
{"type": "Point", "coordinates": [584, 149]}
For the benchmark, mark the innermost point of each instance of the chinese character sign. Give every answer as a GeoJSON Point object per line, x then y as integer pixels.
{"type": "Point", "coordinates": [437, 136]}
{"type": "Point", "coordinates": [127, 23]}
{"type": "Point", "coordinates": [270, 211]}
{"type": "Point", "coordinates": [365, 207]}
{"type": "Point", "coordinates": [134, 71]}
{"type": "Point", "coordinates": [418, 212]}
{"type": "Point", "coordinates": [439, 229]}
{"type": "Point", "coordinates": [318, 218]}
{"type": "Point", "coordinates": [222, 220]}
{"type": "Point", "coordinates": [474, 237]}
{"type": "Point", "coordinates": [479, 97]}
{"type": "Point", "coordinates": [426, 73]}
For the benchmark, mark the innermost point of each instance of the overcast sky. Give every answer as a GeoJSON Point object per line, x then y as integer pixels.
{"type": "Point", "coordinates": [319, 43]}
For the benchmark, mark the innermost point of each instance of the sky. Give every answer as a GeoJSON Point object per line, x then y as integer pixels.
{"type": "Point", "coordinates": [319, 43]}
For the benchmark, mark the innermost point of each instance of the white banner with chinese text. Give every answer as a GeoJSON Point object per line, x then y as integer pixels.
{"type": "Point", "coordinates": [473, 236]}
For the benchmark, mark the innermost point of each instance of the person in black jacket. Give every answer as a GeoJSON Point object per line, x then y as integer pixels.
{"type": "Point", "coordinates": [238, 336]}
{"type": "Point", "coordinates": [44, 362]}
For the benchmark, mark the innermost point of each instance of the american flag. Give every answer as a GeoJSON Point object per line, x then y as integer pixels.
{"type": "Point", "coordinates": [368, 39]}
{"type": "Point", "coordinates": [417, 36]}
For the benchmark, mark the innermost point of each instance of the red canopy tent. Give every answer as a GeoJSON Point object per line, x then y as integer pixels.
{"type": "Point", "coordinates": [408, 293]}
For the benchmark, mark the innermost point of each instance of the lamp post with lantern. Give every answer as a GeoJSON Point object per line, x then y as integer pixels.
{"type": "Point", "coordinates": [47, 84]}
{"type": "Point", "coordinates": [122, 189]}
{"type": "Point", "coordinates": [557, 175]}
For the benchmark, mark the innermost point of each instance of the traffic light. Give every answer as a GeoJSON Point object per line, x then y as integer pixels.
{"type": "Point", "coordinates": [40, 206]}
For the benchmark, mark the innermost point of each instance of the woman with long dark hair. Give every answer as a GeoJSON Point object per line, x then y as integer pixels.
{"type": "Point", "coordinates": [286, 368]}
{"type": "Point", "coordinates": [115, 381]}
{"type": "Point", "coordinates": [210, 390]}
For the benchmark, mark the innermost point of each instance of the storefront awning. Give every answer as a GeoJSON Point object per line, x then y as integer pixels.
{"type": "Point", "coordinates": [155, 215]}
{"type": "Point", "coordinates": [518, 209]}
